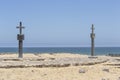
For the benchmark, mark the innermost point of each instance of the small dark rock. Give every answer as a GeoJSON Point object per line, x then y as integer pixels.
{"type": "Point", "coordinates": [32, 70]}
{"type": "Point", "coordinates": [103, 79]}
{"type": "Point", "coordinates": [106, 70]}
{"type": "Point", "coordinates": [82, 71]}
{"type": "Point", "coordinates": [118, 78]}
{"type": "Point", "coordinates": [45, 74]}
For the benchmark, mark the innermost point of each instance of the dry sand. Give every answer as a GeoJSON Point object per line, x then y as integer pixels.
{"type": "Point", "coordinates": [109, 70]}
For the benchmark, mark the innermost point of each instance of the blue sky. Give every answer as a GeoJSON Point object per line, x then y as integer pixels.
{"type": "Point", "coordinates": [61, 23]}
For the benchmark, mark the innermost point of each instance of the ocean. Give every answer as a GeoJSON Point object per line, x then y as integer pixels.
{"type": "Point", "coordinates": [74, 50]}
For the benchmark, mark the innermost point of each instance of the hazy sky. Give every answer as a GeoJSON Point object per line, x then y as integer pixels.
{"type": "Point", "coordinates": [60, 23]}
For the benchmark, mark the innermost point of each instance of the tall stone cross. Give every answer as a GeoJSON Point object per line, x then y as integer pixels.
{"type": "Point", "coordinates": [92, 40]}
{"type": "Point", "coordinates": [20, 38]}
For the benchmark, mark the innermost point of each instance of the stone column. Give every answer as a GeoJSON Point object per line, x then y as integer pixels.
{"type": "Point", "coordinates": [92, 40]}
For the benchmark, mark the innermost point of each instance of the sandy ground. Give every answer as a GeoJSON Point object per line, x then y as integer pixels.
{"type": "Point", "coordinates": [90, 72]}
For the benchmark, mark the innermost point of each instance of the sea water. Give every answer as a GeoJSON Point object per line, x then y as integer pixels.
{"type": "Point", "coordinates": [74, 50]}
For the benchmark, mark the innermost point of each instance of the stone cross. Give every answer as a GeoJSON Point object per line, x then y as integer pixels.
{"type": "Point", "coordinates": [20, 37]}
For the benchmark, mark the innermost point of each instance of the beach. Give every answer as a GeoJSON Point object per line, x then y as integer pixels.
{"type": "Point", "coordinates": [58, 66]}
